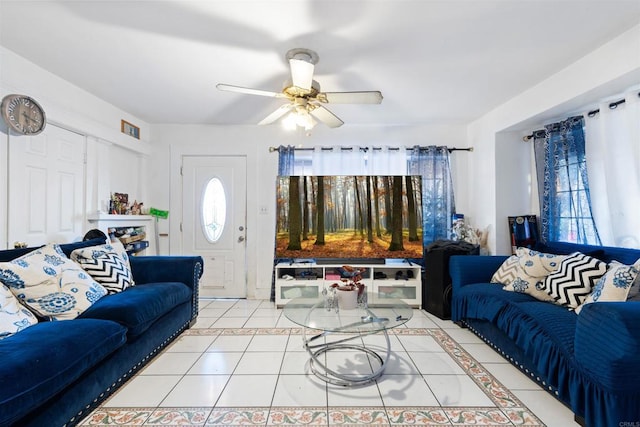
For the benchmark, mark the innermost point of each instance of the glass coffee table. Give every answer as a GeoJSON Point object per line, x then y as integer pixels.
{"type": "Point", "coordinates": [318, 322]}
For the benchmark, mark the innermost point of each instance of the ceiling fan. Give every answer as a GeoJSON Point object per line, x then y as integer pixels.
{"type": "Point", "coordinates": [306, 101]}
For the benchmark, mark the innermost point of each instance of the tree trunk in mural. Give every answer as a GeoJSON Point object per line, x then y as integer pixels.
{"type": "Point", "coordinates": [376, 194]}
{"type": "Point", "coordinates": [320, 210]}
{"type": "Point", "coordinates": [305, 210]}
{"type": "Point", "coordinates": [396, 223]}
{"type": "Point", "coordinates": [387, 204]}
{"type": "Point", "coordinates": [295, 214]}
{"type": "Point", "coordinates": [359, 219]}
{"type": "Point", "coordinates": [369, 220]}
{"type": "Point", "coordinates": [411, 207]}
{"type": "Point", "coordinates": [313, 207]}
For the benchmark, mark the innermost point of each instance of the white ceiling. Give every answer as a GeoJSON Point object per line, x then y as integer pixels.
{"type": "Point", "coordinates": [445, 61]}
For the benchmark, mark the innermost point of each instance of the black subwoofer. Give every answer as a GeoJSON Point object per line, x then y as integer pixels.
{"type": "Point", "coordinates": [436, 283]}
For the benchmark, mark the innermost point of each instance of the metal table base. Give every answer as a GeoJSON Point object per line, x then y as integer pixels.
{"type": "Point", "coordinates": [322, 371]}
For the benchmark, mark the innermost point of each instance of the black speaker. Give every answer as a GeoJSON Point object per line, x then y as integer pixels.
{"type": "Point", "coordinates": [436, 283]}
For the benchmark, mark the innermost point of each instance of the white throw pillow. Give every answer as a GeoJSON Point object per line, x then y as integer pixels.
{"type": "Point", "coordinates": [14, 317]}
{"type": "Point", "coordinates": [574, 280]}
{"type": "Point", "coordinates": [50, 284]}
{"type": "Point", "coordinates": [525, 272]}
{"type": "Point", "coordinates": [614, 285]}
{"type": "Point", "coordinates": [107, 264]}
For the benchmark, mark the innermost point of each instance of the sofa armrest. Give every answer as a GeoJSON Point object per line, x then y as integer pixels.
{"type": "Point", "coordinates": [183, 269]}
{"type": "Point", "coordinates": [468, 269]}
{"type": "Point", "coordinates": [607, 343]}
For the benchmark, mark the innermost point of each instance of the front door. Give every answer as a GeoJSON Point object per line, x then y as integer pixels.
{"type": "Point", "coordinates": [46, 187]}
{"type": "Point", "coordinates": [213, 221]}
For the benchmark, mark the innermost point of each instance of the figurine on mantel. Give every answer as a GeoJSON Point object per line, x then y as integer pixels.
{"type": "Point", "coordinates": [119, 205]}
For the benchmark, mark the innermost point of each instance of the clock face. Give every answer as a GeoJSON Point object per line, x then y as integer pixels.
{"type": "Point", "coordinates": [23, 114]}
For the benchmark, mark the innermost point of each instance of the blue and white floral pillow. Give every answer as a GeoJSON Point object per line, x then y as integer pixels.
{"type": "Point", "coordinates": [14, 317]}
{"type": "Point", "coordinates": [50, 284]}
{"type": "Point", "coordinates": [614, 285]}
{"type": "Point", "coordinates": [529, 269]}
{"type": "Point", "coordinates": [107, 264]}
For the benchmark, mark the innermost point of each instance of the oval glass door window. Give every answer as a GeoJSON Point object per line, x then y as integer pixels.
{"type": "Point", "coordinates": [214, 210]}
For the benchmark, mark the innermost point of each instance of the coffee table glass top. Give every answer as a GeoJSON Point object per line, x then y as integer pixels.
{"type": "Point", "coordinates": [311, 313]}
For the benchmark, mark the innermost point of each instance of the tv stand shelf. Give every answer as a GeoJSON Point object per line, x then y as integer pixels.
{"type": "Point", "coordinates": [395, 278]}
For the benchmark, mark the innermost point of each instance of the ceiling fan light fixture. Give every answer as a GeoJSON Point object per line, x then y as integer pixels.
{"type": "Point", "coordinates": [290, 122]}
{"type": "Point", "coordinates": [298, 118]}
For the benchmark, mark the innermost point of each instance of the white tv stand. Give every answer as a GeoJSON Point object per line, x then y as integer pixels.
{"type": "Point", "coordinates": [307, 279]}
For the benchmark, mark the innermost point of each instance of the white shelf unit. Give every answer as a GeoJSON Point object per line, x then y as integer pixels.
{"type": "Point", "coordinates": [396, 279]}
{"type": "Point", "coordinates": [146, 223]}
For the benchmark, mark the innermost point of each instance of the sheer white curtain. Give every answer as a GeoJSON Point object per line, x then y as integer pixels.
{"type": "Point", "coordinates": [613, 158]}
{"type": "Point", "coordinates": [357, 160]}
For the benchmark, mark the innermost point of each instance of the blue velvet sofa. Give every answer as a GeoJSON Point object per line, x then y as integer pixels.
{"type": "Point", "coordinates": [589, 361]}
{"type": "Point", "coordinates": [55, 373]}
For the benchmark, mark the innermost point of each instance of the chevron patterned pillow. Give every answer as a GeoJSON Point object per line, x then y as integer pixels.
{"type": "Point", "coordinates": [572, 283]}
{"type": "Point", "coordinates": [507, 272]}
{"type": "Point", "coordinates": [107, 265]}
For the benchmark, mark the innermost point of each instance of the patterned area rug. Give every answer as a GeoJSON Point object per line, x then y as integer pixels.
{"type": "Point", "coordinates": [508, 410]}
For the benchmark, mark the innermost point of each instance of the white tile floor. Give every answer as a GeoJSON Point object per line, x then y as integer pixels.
{"type": "Point", "coordinates": [243, 364]}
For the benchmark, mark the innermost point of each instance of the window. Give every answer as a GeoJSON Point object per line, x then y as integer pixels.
{"type": "Point", "coordinates": [562, 172]}
{"type": "Point", "coordinates": [214, 210]}
{"type": "Point", "coordinates": [572, 208]}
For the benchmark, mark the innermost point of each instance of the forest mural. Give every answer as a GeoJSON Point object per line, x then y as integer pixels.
{"type": "Point", "coordinates": [349, 217]}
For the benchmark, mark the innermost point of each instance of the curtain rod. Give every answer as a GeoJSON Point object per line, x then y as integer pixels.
{"type": "Point", "coordinates": [592, 113]}
{"type": "Point", "coordinates": [272, 149]}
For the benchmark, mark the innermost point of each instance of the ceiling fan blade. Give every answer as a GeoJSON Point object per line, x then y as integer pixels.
{"type": "Point", "coordinates": [281, 111]}
{"type": "Point", "coordinates": [368, 97]}
{"type": "Point", "coordinates": [301, 73]}
{"type": "Point", "coordinates": [326, 116]}
{"type": "Point", "coordinates": [246, 90]}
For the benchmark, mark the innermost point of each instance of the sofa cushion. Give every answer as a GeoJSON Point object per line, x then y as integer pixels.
{"type": "Point", "coordinates": [45, 358]}
{"type": "Point", "coordinates": [576, 276]}
{"type": "Point", "coordinates": [139, 306]}
{"type": "Point", "coordinates": [614, 285]}
{"type": "Point", "coordinates": [507, 272]}
{"type": "Point", "coordinates": [634, 291]}
{"type": "Point", "coordinates": [526, 322]}
{"type": "Point", "coordinates": [108, 264]}
{"type": "Point", "coordinates": [50, 284]}
{"type": "Point", "coordinates": [525, 272]}
{"type": "Point", "coordinates": [14, 317]}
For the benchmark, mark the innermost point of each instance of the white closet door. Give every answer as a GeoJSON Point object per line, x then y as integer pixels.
{"type": "Point", "coordinates": [46, 187]}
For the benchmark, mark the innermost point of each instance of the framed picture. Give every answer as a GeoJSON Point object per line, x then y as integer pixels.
{"type": "Point", "coordinates": [524, 231]}
{"type": "Point", "coordinates": [129, 129]}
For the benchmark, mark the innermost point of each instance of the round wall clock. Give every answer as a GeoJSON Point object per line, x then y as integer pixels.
{"type": "Point", "coordinates": [23, 114]}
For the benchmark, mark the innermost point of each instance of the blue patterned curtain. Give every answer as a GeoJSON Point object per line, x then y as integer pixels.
{"type": "Point", "coordinates": [438, 204]}
{"type": "Point", "coordinates": [286, 157]}
{"type": "Point", "coordinates": [565, 199]}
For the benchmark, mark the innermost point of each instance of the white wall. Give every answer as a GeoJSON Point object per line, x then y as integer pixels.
{"type": "Point", "coordinates": [172, 141]}
{"type": "Point", "coordinates": [115, 161]}
{"type": "Point", "coordinates": [498, 178]}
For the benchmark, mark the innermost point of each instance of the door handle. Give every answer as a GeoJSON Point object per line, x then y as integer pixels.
{"type": "Point", "coordinates": [240, 239]}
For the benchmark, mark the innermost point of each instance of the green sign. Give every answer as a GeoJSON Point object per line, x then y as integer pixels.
{"type": "Point", "coordinates": [158, 213]}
